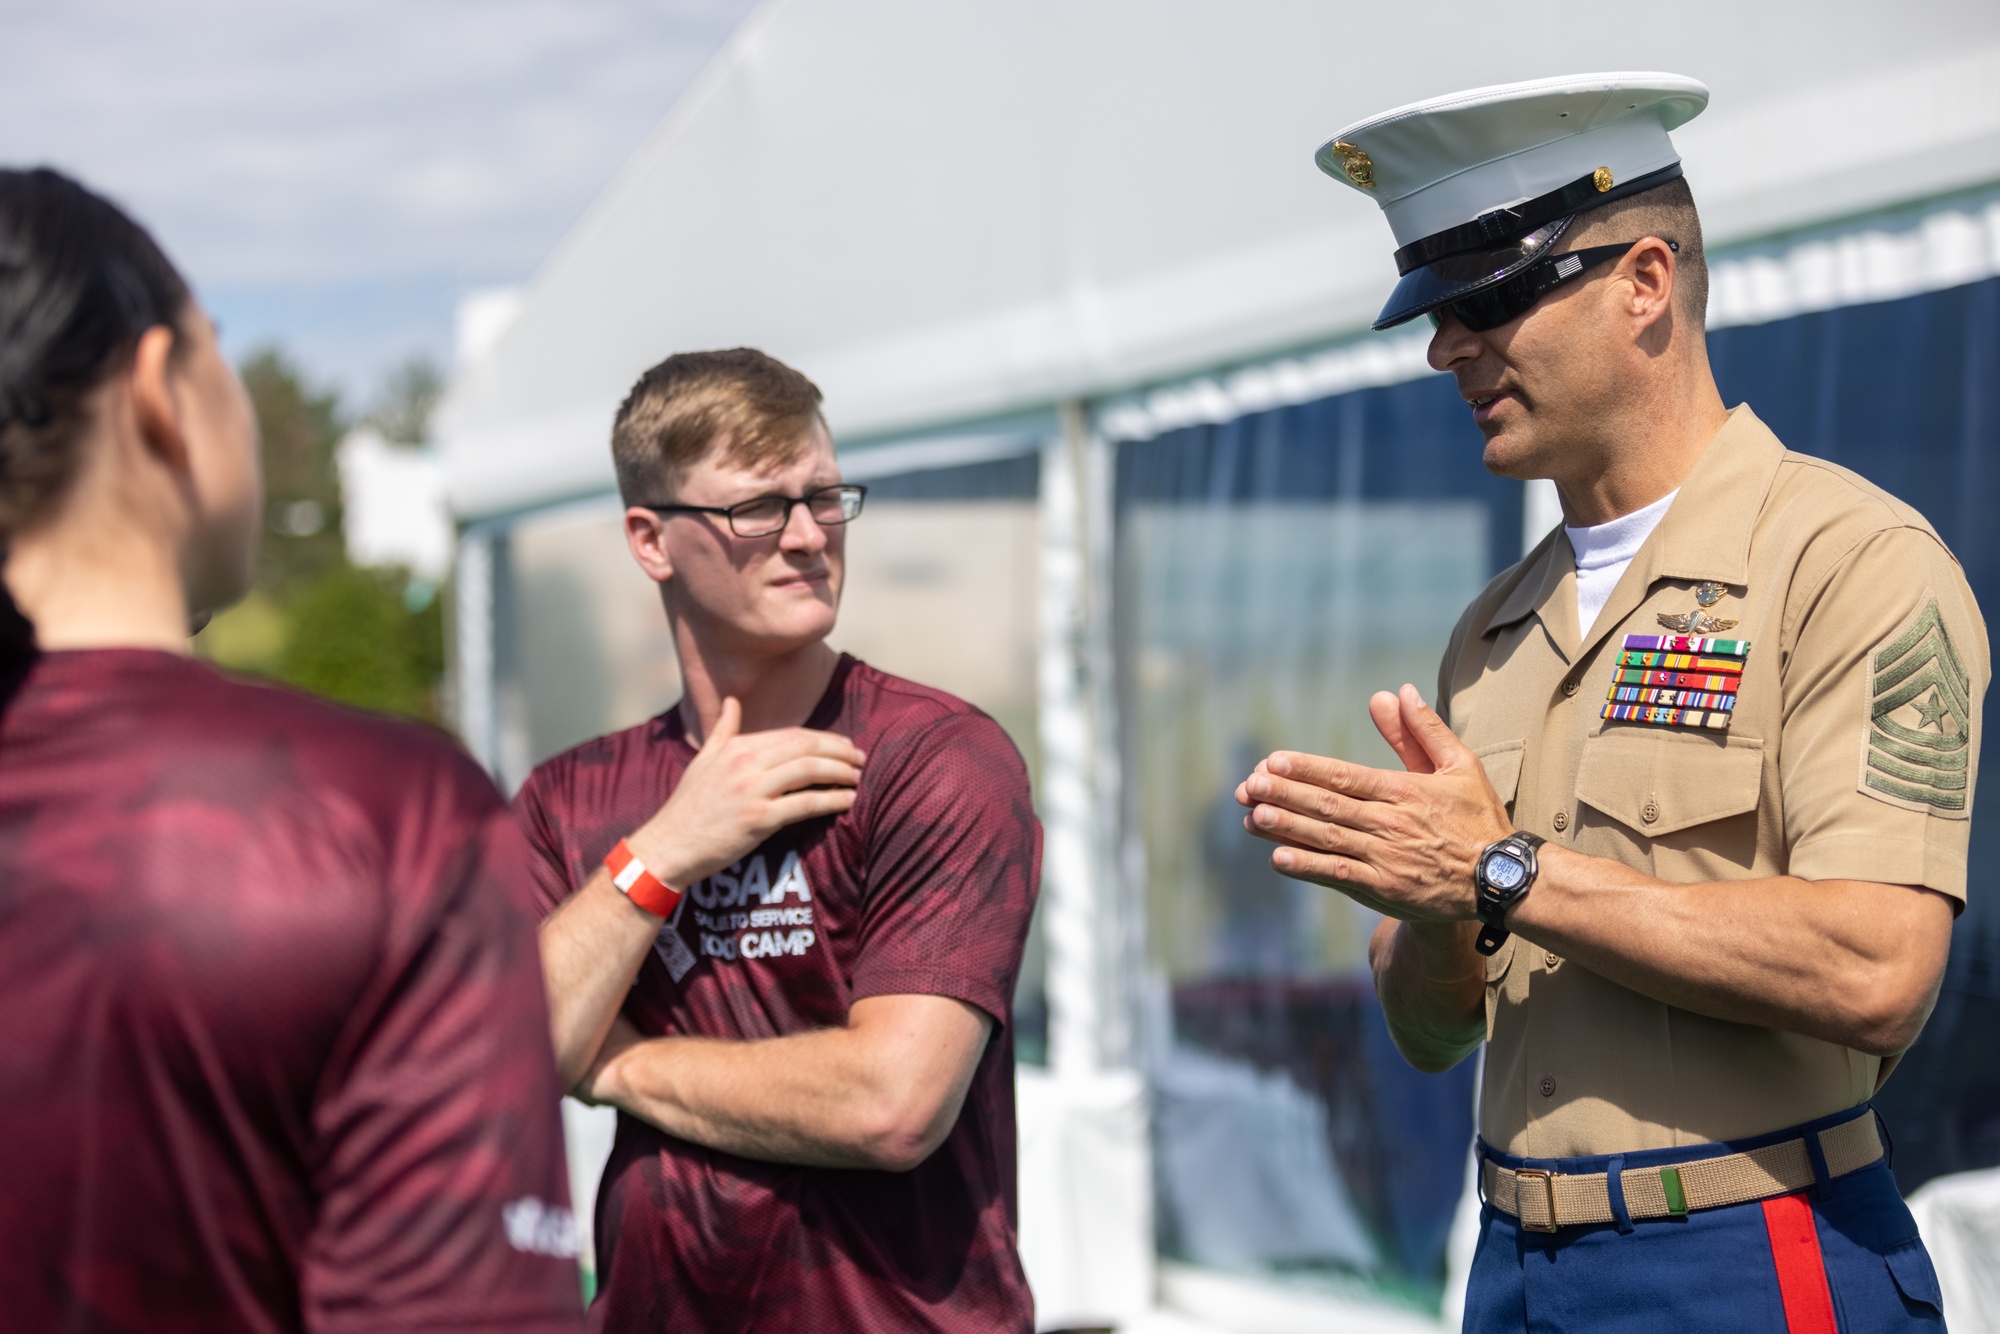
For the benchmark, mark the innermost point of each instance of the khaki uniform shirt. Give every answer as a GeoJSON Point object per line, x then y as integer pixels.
{"type": "Point", "coordinates": [1850, 756]}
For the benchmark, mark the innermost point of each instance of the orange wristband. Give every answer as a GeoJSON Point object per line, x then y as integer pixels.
{"type": "Point", "coordinates": [638, 884]}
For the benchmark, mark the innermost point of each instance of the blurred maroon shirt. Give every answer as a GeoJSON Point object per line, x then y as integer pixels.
{"type": "Point", "coordinates": [925, 886]}
{"type": "Point", "coordinates": [273, 1044]}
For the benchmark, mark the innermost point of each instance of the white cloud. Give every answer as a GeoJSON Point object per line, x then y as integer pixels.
{"type": "Point", "coordinates": [345, 157]}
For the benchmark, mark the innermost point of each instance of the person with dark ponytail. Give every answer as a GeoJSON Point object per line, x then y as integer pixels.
{"type": "Point", "coordinates": [274, 1051]}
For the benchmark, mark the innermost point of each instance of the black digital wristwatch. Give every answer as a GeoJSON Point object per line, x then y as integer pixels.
{"type": "Point", "coordinates": [1503, 875]}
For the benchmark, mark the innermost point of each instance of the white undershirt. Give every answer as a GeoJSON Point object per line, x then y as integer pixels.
{"type": "Point", "coordinates": [1603, 552]}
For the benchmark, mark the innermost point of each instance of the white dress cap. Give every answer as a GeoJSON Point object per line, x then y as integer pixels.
{"type": "Point", "coordinates": [1441, 163]}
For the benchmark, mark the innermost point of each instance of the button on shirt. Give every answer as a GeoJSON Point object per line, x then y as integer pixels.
{"type": "Point", "coordinates": [1850, 754]}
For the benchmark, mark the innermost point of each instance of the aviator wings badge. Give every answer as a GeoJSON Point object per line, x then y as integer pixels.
{"type": "Point", "coordinates": [1698, 621]}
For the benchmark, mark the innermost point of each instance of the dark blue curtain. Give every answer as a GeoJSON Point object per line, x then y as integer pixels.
{"type": "Point", "coordinates": [1410, 441]}
{"type": "Point", "coordinates": [1907, 393]}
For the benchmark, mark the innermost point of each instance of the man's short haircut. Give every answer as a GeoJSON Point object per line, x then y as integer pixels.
{"type": "Point", "coordinates": [1668, 212]}
{"type": "Point", "coordinates": [755, 409]}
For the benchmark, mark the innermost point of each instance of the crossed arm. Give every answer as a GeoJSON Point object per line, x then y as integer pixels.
{"type": "Point", "coordinates": [882, 1091]}
{"type": "Point", "coordinates": [1849, 961]}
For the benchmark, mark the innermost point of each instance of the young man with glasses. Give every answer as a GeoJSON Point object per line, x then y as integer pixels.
{"type": "Point", "coordinates": [1683, 842]}
{"type": "Point", "coordinates": [787, 914]}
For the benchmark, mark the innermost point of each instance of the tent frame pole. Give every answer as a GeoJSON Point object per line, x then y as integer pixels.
{"type": "Point", "coordinates": [1085, 914]}
{"type": "Point", "coordinates": [475, 665]}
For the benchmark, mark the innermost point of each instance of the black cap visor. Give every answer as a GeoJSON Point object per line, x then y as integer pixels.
{"type": "Point", "coordinates": [1456, 277]}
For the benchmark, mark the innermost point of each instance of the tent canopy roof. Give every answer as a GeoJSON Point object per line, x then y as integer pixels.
{"type": "Point", "coordinates": [945, 213]}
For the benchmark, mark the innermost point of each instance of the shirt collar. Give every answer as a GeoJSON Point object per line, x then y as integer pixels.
{"type": "Point", "coordinates": [1705, 535]}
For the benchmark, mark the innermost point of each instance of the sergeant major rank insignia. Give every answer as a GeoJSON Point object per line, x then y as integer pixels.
{"type": "Point", "coordinates": [1687, 679]}
{"type": "Point", "coordinates": [1919, 743]}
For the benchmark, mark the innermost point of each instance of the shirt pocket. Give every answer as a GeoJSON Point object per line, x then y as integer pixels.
{"type": "Point", "coordinates": [1659, 782]}
{"type": "Point", "coordinates": [1502, 762]}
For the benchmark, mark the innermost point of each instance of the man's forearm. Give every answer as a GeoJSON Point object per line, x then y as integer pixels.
{"type": "Point", "coordinates": [881, 1093]}
{"type": "Point", "coordinates": [1432, 988]}
{"type": "Point", "coordinates": [1851, 962]}
{"type": "Point", "coordinates": [591, 950]}
{"type": "Point", "coordinates": [779, 1099]}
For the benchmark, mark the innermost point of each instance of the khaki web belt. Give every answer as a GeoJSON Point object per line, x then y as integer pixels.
{"type": "Point", "coordinates": [1545, 1201]}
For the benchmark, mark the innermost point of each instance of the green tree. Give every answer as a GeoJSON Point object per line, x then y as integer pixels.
{"type": "Point", "coordinates": [373, 638]}
{"type": "Point", "coordinates": [301, 427]}
{"type": "Point", "coordinates": [354, 638]}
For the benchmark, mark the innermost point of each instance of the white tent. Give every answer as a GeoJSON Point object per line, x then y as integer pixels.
{"type": "Point", "coordinates": [985, 228]}
{"type": "Point", "coordinates": [951, 212]}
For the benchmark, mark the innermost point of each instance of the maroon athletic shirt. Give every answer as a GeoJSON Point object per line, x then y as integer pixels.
{"type": "Point", "coordinates": [924, 886]}
{"type": "Point", "coordinates": [273, 1044]}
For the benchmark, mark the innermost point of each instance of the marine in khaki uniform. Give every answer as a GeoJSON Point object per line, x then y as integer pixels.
{"type": "Point", "coordinates": [1683, 842]}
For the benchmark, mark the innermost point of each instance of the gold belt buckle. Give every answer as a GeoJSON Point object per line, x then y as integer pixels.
{"type": "Point", "coordinates": [1548, 1180]}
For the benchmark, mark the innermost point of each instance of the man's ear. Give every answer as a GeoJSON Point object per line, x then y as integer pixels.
{"type": "Point", "coordinates": [153, 398]}
{"type": "Point", "coordinates": [645, 534]}
{"type": "Point", "coordinates": [1650, 270]}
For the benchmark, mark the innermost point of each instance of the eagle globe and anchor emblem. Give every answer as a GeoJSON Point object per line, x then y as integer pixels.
{"type": "Point", "coordinates": [1355, 164]}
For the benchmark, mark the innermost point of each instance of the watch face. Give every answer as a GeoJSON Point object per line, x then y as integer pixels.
{"type": "Point", "coordinates": [1504, 872]}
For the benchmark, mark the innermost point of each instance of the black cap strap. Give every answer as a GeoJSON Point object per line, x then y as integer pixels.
{"type": "Point", "coordinates": [1501, 225]}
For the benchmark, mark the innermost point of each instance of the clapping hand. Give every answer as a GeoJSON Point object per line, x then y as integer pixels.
{"type": "Point", "coordinates": [1404, 843]}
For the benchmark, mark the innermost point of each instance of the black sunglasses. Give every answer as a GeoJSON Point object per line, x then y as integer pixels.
{"type": "Point", "coordinates": [1491, 307]}
{"type": "Point", "coordinates": [829, 506]}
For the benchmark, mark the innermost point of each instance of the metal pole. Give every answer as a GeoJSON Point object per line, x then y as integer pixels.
{"type": "Point", "coordinates": [1088, 1225]}
{"type": "Point", "coordinates": [1088, 925]}
{"type": "Point", "coordinates": [476, 662]}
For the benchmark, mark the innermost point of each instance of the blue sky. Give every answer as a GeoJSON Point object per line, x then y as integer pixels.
{"type": "Point", "coordinates": [332, 176]}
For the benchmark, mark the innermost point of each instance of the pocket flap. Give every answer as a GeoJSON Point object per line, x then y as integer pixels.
{"type": "Point", "coordinates": [1916, 1277]}
{"type": "Point", "coordinates": [1502, 761]}
{"type": "Point", "coordinates": [1657, 781]}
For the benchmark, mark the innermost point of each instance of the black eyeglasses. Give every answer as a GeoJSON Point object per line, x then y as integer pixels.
{"type": "Point", "coordinates": [829, 506]}
{"type": "Point", "coordinates": [1491, 307]}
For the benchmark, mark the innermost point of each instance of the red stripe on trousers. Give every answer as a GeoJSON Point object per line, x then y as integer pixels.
{"type": "Point", "coordinates": [1801, 1272]}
